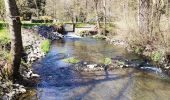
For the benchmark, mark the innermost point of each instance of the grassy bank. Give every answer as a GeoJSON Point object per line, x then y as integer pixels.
{"type": "Point", "coordinates": [45, 46]}
{"type": "Point", "coordinates": [153, 46]}
{"type": "Point", "coordinates": [5, 36]}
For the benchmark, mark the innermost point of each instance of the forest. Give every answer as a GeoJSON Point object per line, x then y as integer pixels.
{"type": "Point", "coordinates": [84, 49]}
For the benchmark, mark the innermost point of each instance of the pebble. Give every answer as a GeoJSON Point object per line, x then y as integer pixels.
{"type": "Point", "coordinates": [92, 66]}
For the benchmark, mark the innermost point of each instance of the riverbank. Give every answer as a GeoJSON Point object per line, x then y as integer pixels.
{"type": "Point", "coordinates": [32, 46]}
{"type": "Point", "coordinates": [152, 52]}
{"type": "Point", "coordinates": [36, 44]}
{"type": "Point", "coordinates": [60, 80]}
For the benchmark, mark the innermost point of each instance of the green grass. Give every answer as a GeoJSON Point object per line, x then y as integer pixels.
{"type": "Point", "coordinates": [71, 60]}
{"type": "Point", "coordinates": [79, 25]}
{"type": "Point", "coordinates": [30, 25]}
{"type": "Point", "coordinates": [2, 25]}
{"type": "Point", "coordinates": [45, 46]}
{"type": "Point", "coordinates": [24, 24]}
{"type": "Point", "coordinates": [4, 36]}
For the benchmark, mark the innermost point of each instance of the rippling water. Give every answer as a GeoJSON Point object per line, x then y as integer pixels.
{"type": "Point", "coordinates": [60, 82]}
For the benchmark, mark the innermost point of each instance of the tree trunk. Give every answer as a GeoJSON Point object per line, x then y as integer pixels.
{"type": "Point", "coordinates": [97, 16]}
{"type": "Point", "coordinates": [14, 22]}
{"type": "Point", "coordinates": [169, 15]}
{"type": "Point", "coordinates": [126, 12]}
{"type": "Point", "coordinates": [157, 10]}
{"type": "Point", "coordinates": [150, 14]}
{"type": "Point", "coordinates": [109, 10]}
{"type": "Point", "coordinates": [104, 10]}
{"type": "Point", "coordinates": [144, 11]}
{"type": "Point", "coordinates": [37, 10]}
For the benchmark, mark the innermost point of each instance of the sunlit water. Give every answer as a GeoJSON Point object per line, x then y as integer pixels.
{"type": "Point", "coordinates": [60, 82]}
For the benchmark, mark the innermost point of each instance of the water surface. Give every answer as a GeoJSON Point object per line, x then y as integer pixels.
{"type": "Point", "coordinates": [60, 82]}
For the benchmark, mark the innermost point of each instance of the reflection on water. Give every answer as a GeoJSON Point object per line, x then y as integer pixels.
{"type": "Point", "coordinates": [60, 82]}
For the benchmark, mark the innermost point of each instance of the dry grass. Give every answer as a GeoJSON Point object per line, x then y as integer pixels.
{"type": "Point", "coordinates": [155, 47]}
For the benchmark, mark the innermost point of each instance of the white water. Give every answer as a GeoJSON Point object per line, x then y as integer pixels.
{"type": "Point", "coordinates": [72, 35]}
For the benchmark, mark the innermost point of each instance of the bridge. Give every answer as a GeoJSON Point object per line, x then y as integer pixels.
{"type": "Point", "coordinates": [70, 27]}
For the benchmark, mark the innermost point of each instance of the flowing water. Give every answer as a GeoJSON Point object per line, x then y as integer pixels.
{"type": "Point", "coordinates": [60, 82]}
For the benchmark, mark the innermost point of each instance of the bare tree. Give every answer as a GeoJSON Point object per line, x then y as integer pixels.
{"type": "Point", "coordinates": [156, 12]}
{"type": "Point", "coordinates": [104, 11]}
{"type": "Point", "coordinates": [97, 15]}
{"type": "Point", "coordinates": [37, 10]}
{"type": "Point", "coordinates": [14, 22]}
{"type": "Point", "coordinates": [150, 14]}
{"type": "Point", "coordinates": [168, 14]}
{"type": "Point", "coordinates": [144, 11]}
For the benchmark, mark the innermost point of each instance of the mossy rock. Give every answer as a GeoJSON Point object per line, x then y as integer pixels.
{"type": "Point", "coordinates": [71, 60]}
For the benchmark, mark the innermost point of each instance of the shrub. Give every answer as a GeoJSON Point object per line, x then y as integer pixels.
{"type": "Point", "coordinates": [107, 61]}
{"type": "Point", "coordinates": [156, 56]}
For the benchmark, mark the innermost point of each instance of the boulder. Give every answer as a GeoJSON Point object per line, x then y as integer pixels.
{"type": "Point", "coordinates": [92, 66]}
{"type": "Point", "coordinates": [51, 32]}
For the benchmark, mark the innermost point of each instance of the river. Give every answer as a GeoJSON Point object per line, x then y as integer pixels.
{"type": "Point", "coordinates": [59, 81]}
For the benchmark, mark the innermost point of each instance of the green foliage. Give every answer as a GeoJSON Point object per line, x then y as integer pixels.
{"type": "Point", "coordinates": [2, 25]}
{"type": "Point", "coordinates": [45, 46]}
{"type": "Point", "coordinates": [71, 60]}
{"type": "Point", "coordinates": [4, 37]}
{"type": "Point", "coordinates": [156, 56]}
{"type": "Point", "coordinates": [107, 61]}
